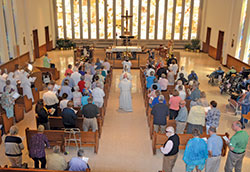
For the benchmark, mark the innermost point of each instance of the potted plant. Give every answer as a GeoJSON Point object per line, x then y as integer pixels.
{"type": "Point", "coordinates": [187, 46]}
{"type": "Point", "coordinates": [195, 45]}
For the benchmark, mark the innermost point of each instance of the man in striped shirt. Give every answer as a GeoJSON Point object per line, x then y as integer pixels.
{"type": "Point", "coordinates": [14, 147]}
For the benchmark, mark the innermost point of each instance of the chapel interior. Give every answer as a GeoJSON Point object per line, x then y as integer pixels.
{"type": "Point", "coordinates": [66, 29]}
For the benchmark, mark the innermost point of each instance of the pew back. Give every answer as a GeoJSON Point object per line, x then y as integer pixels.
{"type": "Point", "coordinates": [30, 170]}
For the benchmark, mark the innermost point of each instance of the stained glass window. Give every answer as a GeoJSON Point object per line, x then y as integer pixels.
{"type": "Point", "coordinates": [152, 19]}
{"type": "Point", "coordinates": [169, 19]}
{"type": "Point", "coordinates": [135, 17]}
{"type": "Point", "coordinates": [85, 19]}
{"type": "Point", "coordinates": [77, 19]}
{"type": "Point", "coordinates": [195, 19]}
{"type": "Point", "coordinates": [68, 19]}
{"type": "Point", "coordinates": [118, 17]}
{"type": "Point", "coordinates": [161, 19]}
{"type": "Point", "coordinates": [242, 26]}
{"type": "Point", "coordinates": [177, 29]}
{"type": "Point", "coordinates": [126, 7]}
{"type": "Point", "coordinates": [60, 18]}
{"type": "Point", "coordinates": [144, 12]}
{"type": "Point", "coordinates": [101, 20]}
{"type": "Point", "coordinates": [110, 16]}
{"type": "Point", "coordinates": [186, 19]}
{"type": "Point", "coordinates": [93, 18]}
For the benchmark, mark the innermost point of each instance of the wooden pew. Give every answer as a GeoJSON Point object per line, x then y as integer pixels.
{"type": "Point", "coordinates": [35, 95]}
{"type": "Point", "coordinates": [30, 170]}
{"type": "Point", "coordinates": [27, 103]}
{"type": "Point", "coordinates": [19, 112]}
{"type": "Point", "coordinates": [56, 122]}
{"type": "Point", "coordinates": [7, 123]}
{"type": "Point", "coordinates": [159, 139]}
{"type": "Point", "coordinates": [56, 137]}
{"type": "Point", "coordinates": [53, 71]}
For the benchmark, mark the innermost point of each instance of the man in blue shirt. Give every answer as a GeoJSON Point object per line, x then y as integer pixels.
{"type": "Point", "coordinates": [77, 163]}
{"type": "Point", "coordinates": [214, 146]}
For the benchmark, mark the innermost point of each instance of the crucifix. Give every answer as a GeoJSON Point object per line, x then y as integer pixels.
{"type": "Point", "coordinates": [127, 17]}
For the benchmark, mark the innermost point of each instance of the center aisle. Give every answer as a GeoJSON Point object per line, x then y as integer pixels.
{"type": "Point", "coordinates": [125, 144]}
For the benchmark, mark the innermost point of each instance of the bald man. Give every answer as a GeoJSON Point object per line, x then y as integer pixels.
{"type": "Point", "coordinates": [170, 150]}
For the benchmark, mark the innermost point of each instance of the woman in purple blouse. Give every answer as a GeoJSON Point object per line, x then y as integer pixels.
{"type": "Point", "coordinates": [37, 146]}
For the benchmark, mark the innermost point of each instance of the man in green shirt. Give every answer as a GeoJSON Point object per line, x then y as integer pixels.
{"type": "Point", "coordinates": [237, 146]}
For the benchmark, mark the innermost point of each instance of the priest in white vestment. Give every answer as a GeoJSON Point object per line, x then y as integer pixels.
{"type": "Point", "coordinates": [26, 85]}
{"type": "Point", "coordinates": [127, 64]}
{"type": "Point", "coordinates": [125, 86]}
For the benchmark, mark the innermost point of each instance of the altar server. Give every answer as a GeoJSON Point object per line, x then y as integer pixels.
{"type": "Point", "coordinates": [26, 85]}
{"type": "Point", "coordinates": [127, 63]}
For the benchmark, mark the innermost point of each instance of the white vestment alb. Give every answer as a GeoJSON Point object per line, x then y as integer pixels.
{"type": "Point", "coordinates": [26, 85]}
{"type": "Point", "coordinates": [125, 95]}
{"type": "Point", "coordinates": [127, 64]}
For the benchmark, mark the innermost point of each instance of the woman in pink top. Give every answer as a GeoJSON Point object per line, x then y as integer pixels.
{"type": "Point", "coordinates": [174, 103]}
{"type": "Point", "coordinates": [163, 82]}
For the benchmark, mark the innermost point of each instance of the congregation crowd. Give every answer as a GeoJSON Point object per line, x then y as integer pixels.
{"type": "Point", "coordinates": [175, 95]}
{"type": "Point", "coordinates": [81, 89]}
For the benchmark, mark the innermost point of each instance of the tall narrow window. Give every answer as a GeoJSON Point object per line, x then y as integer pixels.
{"type": "Point", "coordinates": [161, 12]}
{"type": "Point", "coordinates": [242, 26]}
{"type": "Point", "coordinates": [68, 19]}
{"type": "Point", "coordinates": [144, 11]}
{"type": "Point", "coordinates": [77, 19]}
{"type": "Point", "coordinates": [59, 8]}
{"type": "Point", "coordinates": [110, 16]}
{"type": "Point", "coordinates": [169, 19]}
{"type": "Point", "coordinates": [135, 17]}
{"type": "Point", "coordinates": [195, 19]}
{"type": "Point", "coordinates": [177, 29]}
{"type": "Point", "coordinates": [6, 29]}
{"type": "Point", "coordinates": [85, 19]}
{"type": "Point", "coordinates": [118, 17]}
{"type": "Point", "coordinates": [101, 20]}
{"type": "Point", "coordinates": [93, 18]}
{"type": "Point", "coordinates": [152, 19]}
{"type": "Point", "coordinates": [186, 19]}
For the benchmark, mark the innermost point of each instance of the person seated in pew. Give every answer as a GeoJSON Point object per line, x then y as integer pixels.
{"type": "Point", "coordinates": [160, 112]}
{"type": "Point", "coordinates": [69, 116]}
{"type": "Point", "coordinates": [196, 153]}
{"type": "Point", "coordinates": [38, 143]}
{"type": "Point", "coordinates": [170, 149]}
{"type": "Point", "coordinates": [78, 163]}
{"type": "Point", "coordinates": [69, 70]}
{"type": "Point", "coordinates": [43, 114]}
{"type": "Point", "coordinates": [181, 119]}
{"type": "Point", "coordinates": [50, 100]}
{"type": "Point", "coordinates": [77, 96]}
{"type": "Point", "coordinates": [63, 103]}
{"type": "Point", "coordinates": [156, 99]}
{"type": "Point", "coordinates": [98, 95]}
{"type": "Point", "coordinates": [182, 79]}
{"type": "Point", "coordinates": [13, 147]}
{"type": "Point", "coordinates": [183, 72]}
{"type": "Point", "coordinates": [66, 89]}
{"type": "Point", "coordinates": [161, 70]}
{"type": "Point", "coordinates": [150, 80]}
{"type": "Point", "coordinates": [163, 82]}
{"type": "Point", "coordinates": [174, 104]}
{"type": "Point", "coordinates": [182, 92]}
{"type": "Point", "coordinates": [71, 83]}
{"type": "Point", "coordinates": [90, 112]}
{"type": "Point", "coordinates": [192, 76]}
{"type": "Point", "coordinates": [56, 161]}
{"type": "Point", "coordinates": [85, 96]}
{"type": "Point", "coordinates": [170, 77]}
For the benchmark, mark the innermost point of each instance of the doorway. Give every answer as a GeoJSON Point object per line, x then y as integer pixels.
{"type": "Point", "coordinates": [206, 47]}
{"type": "Point", "coordinates": [47, 38]}
{"type": "Point", "coordinates": [36, 44]}
{"type": "Point", "coordinates": [220, 46]}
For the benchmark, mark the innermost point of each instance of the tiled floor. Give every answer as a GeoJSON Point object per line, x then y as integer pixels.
{"type": "Point", "coordinates": [125, 145]}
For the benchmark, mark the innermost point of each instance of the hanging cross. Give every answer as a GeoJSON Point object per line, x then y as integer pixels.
{"type": "Point", "coordinates": [127, 17]}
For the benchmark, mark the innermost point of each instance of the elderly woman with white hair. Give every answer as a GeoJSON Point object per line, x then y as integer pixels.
{"type": "Point", "coordinates": [13, 147]}
{"type": "Point", "coordinates": [77, 96]}
{"type": "Point", "coordinates": [125, 86]}
{"type": "Point", "coordinates": [98, 95]}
